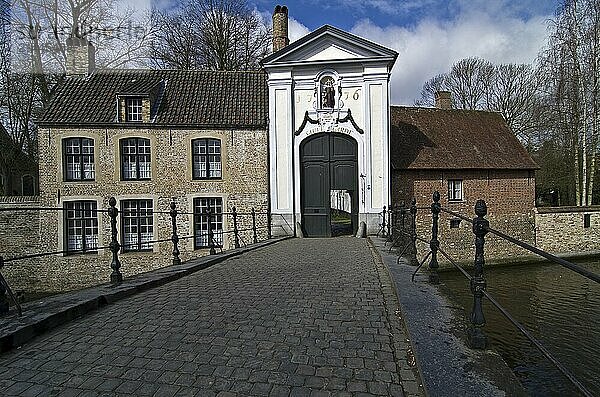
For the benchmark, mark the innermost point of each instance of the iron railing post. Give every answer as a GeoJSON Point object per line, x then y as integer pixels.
{"type": "Point", "coordinates": [211, 241]}
{"type": "Point", "coordinates": [236, 232]}
{"type": "Point", "coordinates": [402, 213]}
{"type": "Point", "coordinates": [413, 212]}
{"type": "Point", "coordinates": [389, 224]}
{"type": "Point", "coordinates": [115, 264]}
{"type": "Point", "coordinates": [174, 236]}
{"type": "Point", "coordinates": [382, 230]}
{"type": "Point", "coordinates": [476, 337]}
{"type": "Point", "coordinates": [434, 244]}
{"type": "Point", "coordinates": [254, 236]}
{"type": "Point", "coordinates": [3, 299]}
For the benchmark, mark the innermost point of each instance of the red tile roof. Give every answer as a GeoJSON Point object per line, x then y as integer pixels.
{"type": "Point", "coordinates": [431, 138]}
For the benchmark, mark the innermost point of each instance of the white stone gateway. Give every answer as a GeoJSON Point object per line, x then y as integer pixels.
{"type": "Point", "coordinates": [329, 126]}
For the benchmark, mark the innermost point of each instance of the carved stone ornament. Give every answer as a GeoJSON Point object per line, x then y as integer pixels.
{"type": "Point", "coordinates": [328, 122]}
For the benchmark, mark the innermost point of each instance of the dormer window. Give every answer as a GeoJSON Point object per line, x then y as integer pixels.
{"type": "Point", "coordinates": [133, 109]}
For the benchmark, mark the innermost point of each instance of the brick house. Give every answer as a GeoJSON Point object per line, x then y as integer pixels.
{"type": "Point", "coordinates": [466, 155]}
{"type": "Point", "coordinates": [147, 137]}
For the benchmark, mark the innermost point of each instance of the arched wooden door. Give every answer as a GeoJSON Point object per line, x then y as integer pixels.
{"type": "Point", "coordinates": [329, 161]}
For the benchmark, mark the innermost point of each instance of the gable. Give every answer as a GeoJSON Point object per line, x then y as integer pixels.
{"type": "Point", "coordinates": [328, 44]}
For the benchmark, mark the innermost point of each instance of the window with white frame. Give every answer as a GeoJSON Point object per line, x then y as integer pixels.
{"type": "Point", "coordinates": [455, 190]}
{"type": "Point", "coordinates": [137, 225]}
{"type": "Point", "coordinates": [133, 109]}
{"type": "Point", "coordinates": [201, 221]}
{"type": "Point", "coordinates": [81, 226]}
{"type": "Point", "coordinates": [206, 158]}
{"type": "Point", "coordinates": [79, 159]}
{"type": "Point", "coordinates": [135, 159]}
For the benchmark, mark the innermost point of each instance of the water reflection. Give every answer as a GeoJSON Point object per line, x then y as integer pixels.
{"type": "Point", "coordinates": [558, 306]}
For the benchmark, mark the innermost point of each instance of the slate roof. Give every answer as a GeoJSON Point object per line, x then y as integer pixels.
{"type": "Point", "coordinates": [431, 138]}
{"type": "Point", "coordinates": [194, 98]}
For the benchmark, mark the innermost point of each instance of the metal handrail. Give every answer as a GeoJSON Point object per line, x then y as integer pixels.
{"type": "Point", "coordinates": [456, 214]}
{"type": "Point", "coordinates": [563, 262]}
{"type": "Point", "coordinates": [539, 346]}
{"type": "Point", "coordinates": [11, 209]}
{"type": "Point", "coordinates": [115, 246]}
{"type": "Point", "coordinates": [523, 330]}
{"type": "Point", "coordinates": [505, 313]}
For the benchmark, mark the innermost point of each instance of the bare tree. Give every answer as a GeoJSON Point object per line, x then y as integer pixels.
{"type": "Point", "coordinates": [120, 35]}
{"type": "Point", "coordinates": [176, 44]}
{"type": "Point", "coordinates": [33, 56]}
{"type": "Point", "coordinates": [506, 88]}
{"type": "Point", "coordinates": [571, 65]}
{"type": "Point", "coordinates": [430, 87]}
{"type": "Point", "coordinates": [468, 80]}
{"type": "Point", "coordinates": [211, 34]}
{"type": "Point", "coordinates": [513, 91]}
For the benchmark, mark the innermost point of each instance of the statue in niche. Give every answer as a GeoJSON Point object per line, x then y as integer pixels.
{"type": "Point", "coordinates": [327, 92]}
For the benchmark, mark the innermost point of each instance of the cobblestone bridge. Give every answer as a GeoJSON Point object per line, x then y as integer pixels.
{"type": "Point", "coordinates": [314, 317]}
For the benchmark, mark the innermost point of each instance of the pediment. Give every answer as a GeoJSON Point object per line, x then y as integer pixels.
{"type": "Point", "coordinates": [330, 44]}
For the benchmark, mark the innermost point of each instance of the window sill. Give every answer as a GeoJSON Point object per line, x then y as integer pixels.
{"type": "Point", "coordinates": [207, 179]}
{"type": "Point", "coordinates": [207, 247]}
{"type": "Point", "coordinates": [462, 201]}
{"type": "Point", "coordinates": [77, 253]}
{"type": "Point", "coordinates": [79, 181]}
{"type": "Point", "coordinates": [136, 251]}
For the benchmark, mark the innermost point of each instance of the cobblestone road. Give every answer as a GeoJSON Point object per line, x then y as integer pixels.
{"type": "Point", "coordinates": [305, 317]}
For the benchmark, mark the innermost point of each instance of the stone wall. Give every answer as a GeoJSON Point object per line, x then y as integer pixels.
{"type": "Point", "coordinates": [562, 229]}
{"type": "Point", "coordinates": [243, 185]}
{"type": "Point", "coordinates": [19, 235]}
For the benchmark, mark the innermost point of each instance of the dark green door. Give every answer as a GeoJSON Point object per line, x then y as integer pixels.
{"type": "Point", "coordinates": [328, 162]}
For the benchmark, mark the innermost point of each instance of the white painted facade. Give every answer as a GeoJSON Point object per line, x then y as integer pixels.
{"type": "Point", "coordinates": [360, 73]}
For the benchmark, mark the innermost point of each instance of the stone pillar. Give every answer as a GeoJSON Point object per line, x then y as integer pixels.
{"type": "Point", "coordinates": [280, 28]}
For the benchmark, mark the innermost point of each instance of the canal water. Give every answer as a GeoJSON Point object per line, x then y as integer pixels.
{"type": "Point", "coordinates": [561, 309]}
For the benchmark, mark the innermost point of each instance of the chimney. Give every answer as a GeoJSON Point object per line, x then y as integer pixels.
{"type": "Point", "coordinates": [280, 28]}
{"type": "Point", "coordinates": [443, 99]}
{"type": "Point", "coordinates": [81, 57]}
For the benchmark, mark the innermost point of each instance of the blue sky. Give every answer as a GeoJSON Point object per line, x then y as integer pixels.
{"type": "Point", "coordinates": [345, 13]}
{"type": "Point", "coordinates": [429, 35]}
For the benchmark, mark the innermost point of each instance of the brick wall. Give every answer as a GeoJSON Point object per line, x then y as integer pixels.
{"type": "Point", "coordinates": [562, 229]}
{"type": "Point", "coordinates": [243, 185]}
{"type": "Point", "coordinates": [509, 196]}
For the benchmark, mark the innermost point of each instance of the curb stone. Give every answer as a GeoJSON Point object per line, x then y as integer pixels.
{"type": "Point", "coordinates": [408, 369]}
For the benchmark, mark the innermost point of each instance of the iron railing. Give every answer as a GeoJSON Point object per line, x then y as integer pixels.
{"type": "Point", "coordinates": [241, 236]}
{"type": "Point", "coordinates": [402, 231]}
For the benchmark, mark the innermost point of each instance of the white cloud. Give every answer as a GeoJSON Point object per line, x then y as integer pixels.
{"type": "Point", "coordinates": [296, 30]}
{"type": "Point", "coordinates": [431, 47]}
